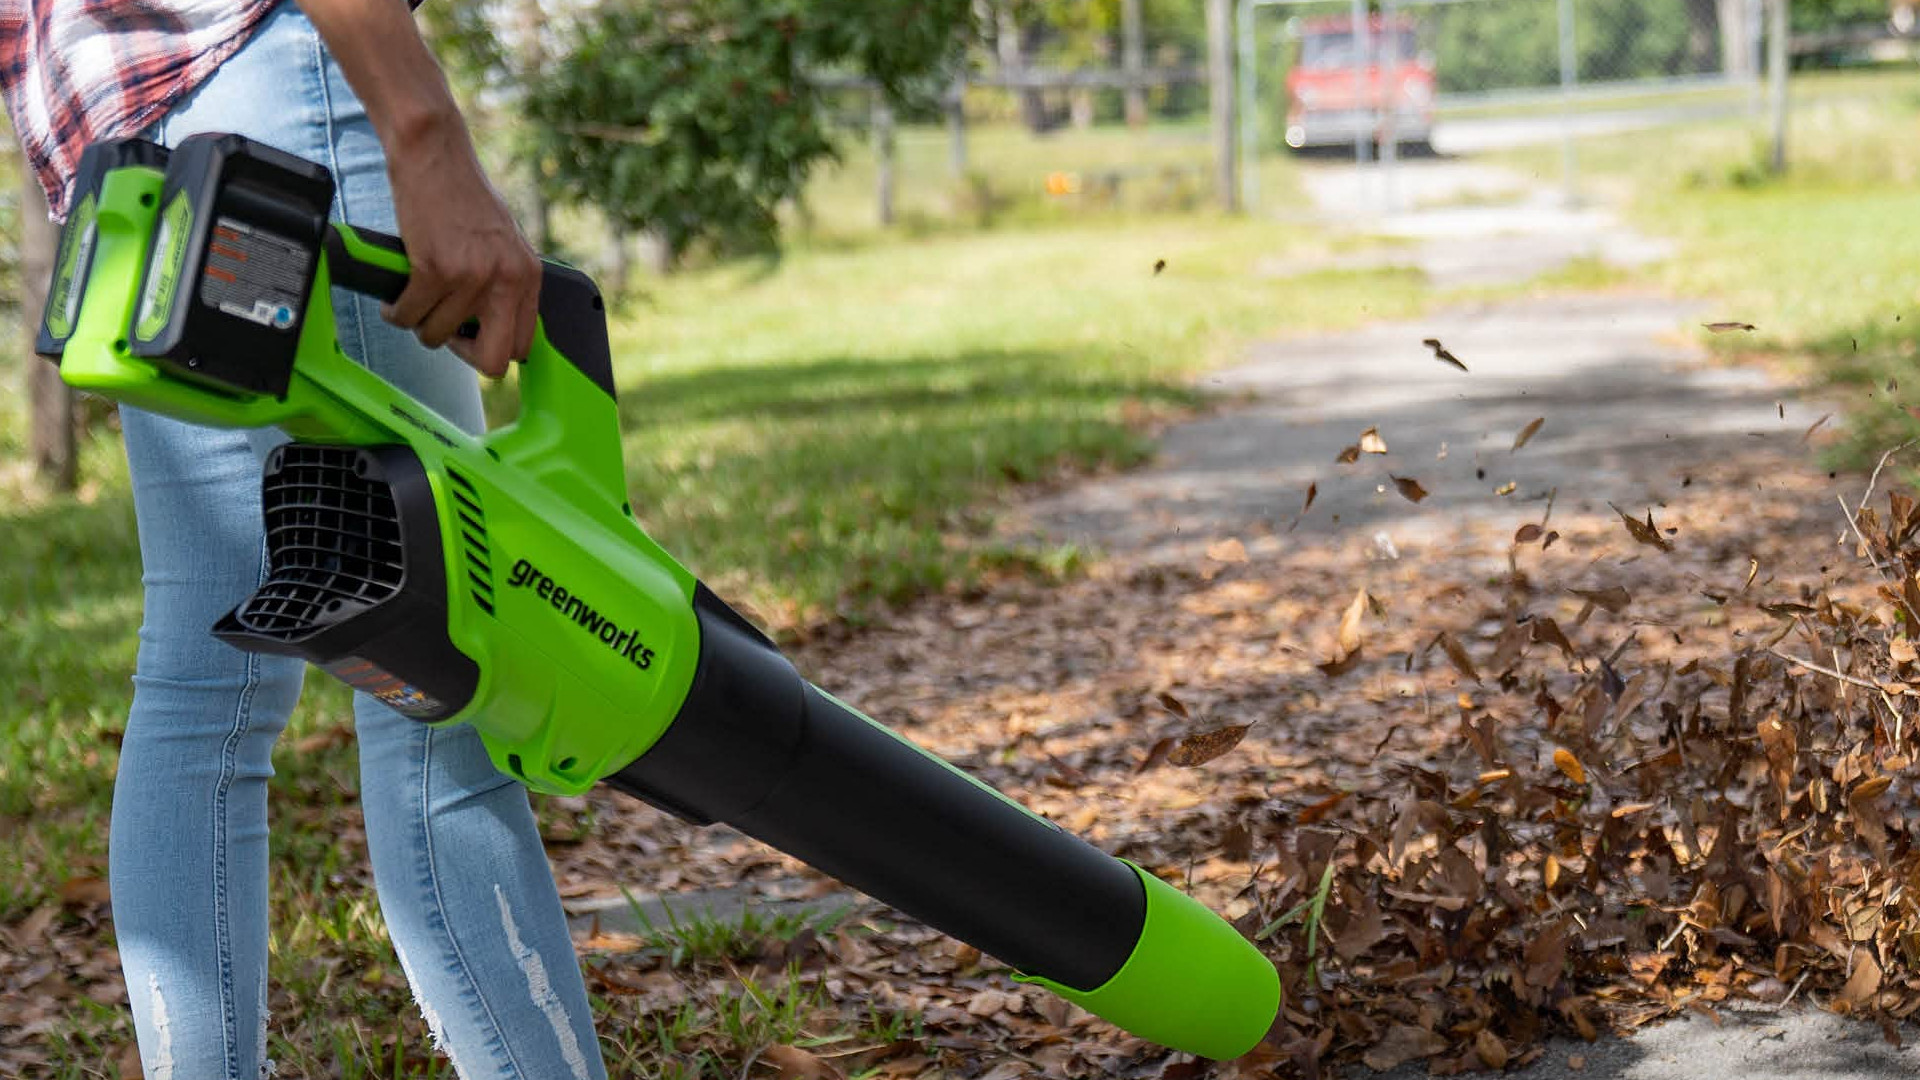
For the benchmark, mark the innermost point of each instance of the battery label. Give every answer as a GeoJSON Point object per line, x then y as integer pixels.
{"type": "Point", "coordinates": [396, 693]}
{"type": "Point", "coordinates": [70, 273]}
{"type": "Point", "coordinates": [254, 275]}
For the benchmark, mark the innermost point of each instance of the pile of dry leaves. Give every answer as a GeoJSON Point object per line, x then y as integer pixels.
{"type": "Point", "coordinates": [1570, 777]}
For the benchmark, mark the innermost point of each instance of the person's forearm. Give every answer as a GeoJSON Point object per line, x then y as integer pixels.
{"type": "Point", "coordinates": [389, 67]}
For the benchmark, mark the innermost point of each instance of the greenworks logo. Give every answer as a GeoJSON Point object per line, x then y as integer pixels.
{"type": "Point", "coordinates": [76, 251]}
{"type": "Point", "coordinates": [164, 270]}
{"type": "Point", "coordinates": [626, 642]}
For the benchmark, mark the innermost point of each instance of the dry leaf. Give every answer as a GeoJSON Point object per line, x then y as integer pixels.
{"type": "Point", "coordinates": [1204, 747]}
{"type": "Point", "coordinates": [1613, 598]}
{"type": "Point", "coordinates": [1458, 656]}
{"type": "Point", "coordinates": [1174, 705]}
{"type": "Point", "coordinates": [1371, 442]}
{"type": "Point", "coordinates": [1526, 433]}
{"type": "Point", "coordinates": [1723, 327]}
{"type": "Point", "coordinates": [1493, 1052]}
{"type": "Point", "coordinates": [1441, 354]}
{"type": "Point", "coordinates": [84, 892]}
{"type": "Point", "coordinates": [1156, 754]}
{"type": "Point", "coordinates": [1528, 533]}
{"type": "Point", "coordinates": [1159, 265]}
{"type": "Point", "coordinates": [1815, 426]}
{"type": "Point", "coordinates": [1865, 980]}
{"type": "Point", "coordinates": [1313, 489]}
{"type": "Point", "coordinates": [1409, 488]}
{"type": "Point", "coordinates": [1230, 550]}
{"type": "Point", "coordinates": [1348, 456]}
{"type": "Point", "coordinates": [1349, 634]}
{"type": "Point", "coordinates": [1333, 669]}
{"type": "Point", "coordinates": [795, 1063]}
{"type": "Point", "coordinates": [1403, 1043]}
{"type": "Point", "coordinates": [1564, 760]}
{"type": "Point", "coordinates": [1506, 488]}
{"type": "Point", "coordinates": [1644, 532]}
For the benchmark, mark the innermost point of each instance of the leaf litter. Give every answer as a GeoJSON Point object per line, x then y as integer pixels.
{"type": "Point", "coordinates": [1568, 798]}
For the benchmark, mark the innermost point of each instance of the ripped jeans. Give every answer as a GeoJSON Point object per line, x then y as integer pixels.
{"type": "Point", "coordinates": [463, 880]}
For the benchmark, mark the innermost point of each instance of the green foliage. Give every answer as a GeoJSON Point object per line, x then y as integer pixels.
{"type": "Point", "coordinates": [695, 119]}
{"type": "Point", "coordinates": [1508, 43]}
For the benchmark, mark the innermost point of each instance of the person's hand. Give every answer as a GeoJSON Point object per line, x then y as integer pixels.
{"type": "Point", "coordinates": [469, 259]}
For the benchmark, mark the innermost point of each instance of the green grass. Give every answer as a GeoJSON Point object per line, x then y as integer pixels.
{"type": "Point", "coordinates": [1824, 261]}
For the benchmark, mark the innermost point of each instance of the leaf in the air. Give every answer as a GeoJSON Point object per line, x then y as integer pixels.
{"type": "Point", "coordinates": [1614, 598]}
{"type": "Point", "coordinates": [1348, 456]}
{"type": "Point", "coordinates": [1644, 532]}
{"type": "Point", "coordinates": [1371, 442]}
{"type": "Point", "coordinates": [1409, 488]}
{"type": "Point", "coordinates": [1441, 354]}
{"type": "Point", "coordinates": [1526, 433]}
{"type": "Point", "coordinates": [1204, 747]}
{"type": "Point", "coordinates": [1723, 327]}
{"type": "Point", "coordinates": [1174, 705]}
{"type": "Point", "coordinates": [1564, 760]}
{"type": "Point", "coordinates": [1528, 533]}
{"type": "Point", "coordinates": [1505, 489]}
{"type": "Point", "coordinates": [1457, 654]}
{"type": "Point", "coordinates": [1313, 490]}
{"type": "Point", "coordinates": [1817, 424]}
{"type": "Point", "coordinates": [1349, 638]}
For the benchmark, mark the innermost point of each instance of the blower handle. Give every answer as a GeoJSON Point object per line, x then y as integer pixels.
{"type": "Point", "coordinates": [568, 432]}
{"type": "Point", "coordinates": [373, 263]}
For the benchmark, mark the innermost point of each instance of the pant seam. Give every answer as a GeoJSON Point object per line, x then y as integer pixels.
{"type": "Point", "coordinates": [222, 908]}
{"type": "Point", "coordinates": [353, 309]}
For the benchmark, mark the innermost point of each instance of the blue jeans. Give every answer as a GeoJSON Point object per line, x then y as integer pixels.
{"type": "Point", "coordinates": [463, 880]}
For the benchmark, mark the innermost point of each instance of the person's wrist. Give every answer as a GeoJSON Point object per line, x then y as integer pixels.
{"type": "Point", "coordinates": [422, 127]}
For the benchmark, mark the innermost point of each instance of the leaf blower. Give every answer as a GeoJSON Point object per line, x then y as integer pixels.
{"type": "Point", "coordinates": [503, 581]}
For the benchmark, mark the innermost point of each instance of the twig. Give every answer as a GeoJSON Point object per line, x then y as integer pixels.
{"type": "Point", "coordinates": [1798, 983]}
{"type": "Point", "coordinates": [1875, 478]}
{"type": "Point", "coordinates": [1866, 497]}
{"type": "Point", "coordinates": [1827, 671]}
{"type": "Point", "coordinates": [1850, 515]}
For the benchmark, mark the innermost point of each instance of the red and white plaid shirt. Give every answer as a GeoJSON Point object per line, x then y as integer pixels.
{"type": "Point", "coordinates": [74, 72]}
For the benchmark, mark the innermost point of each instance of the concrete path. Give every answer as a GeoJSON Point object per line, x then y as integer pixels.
{"type": "Point", "coordinates": [1630, 408]}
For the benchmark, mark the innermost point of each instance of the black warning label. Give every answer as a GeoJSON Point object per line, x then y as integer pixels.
{"type": "Point", "coordinates": [254, 275]}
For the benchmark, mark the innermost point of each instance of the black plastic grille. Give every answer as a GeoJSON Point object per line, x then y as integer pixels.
{"type": "Point", "coordinates": [333, 541]}
{"type": "Point", "coordinates": [473, 539]}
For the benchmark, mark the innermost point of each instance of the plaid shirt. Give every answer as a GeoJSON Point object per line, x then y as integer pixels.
{"type": "Point", "coordinates": [74, 72]}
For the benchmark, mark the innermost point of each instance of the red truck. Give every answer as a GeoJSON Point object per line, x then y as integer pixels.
{"type": "Point", "coordinates": [1336, 94]}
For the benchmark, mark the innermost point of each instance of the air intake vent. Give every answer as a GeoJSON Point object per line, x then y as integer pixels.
{"type": "Point", "coordinates": [333, 542]}
{"type": "Point", "coordinates": [473, 539]}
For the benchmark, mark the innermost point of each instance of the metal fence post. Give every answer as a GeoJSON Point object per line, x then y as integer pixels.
{"type": "Point", "coordinates": [1389, 131]}
{"type": "Point", "coordinates": [1569, 77]}
{"type": "Point", "coordinates": [957, 128]}
{"type": "Point", "coordinates": [883, 156]}
{"type": "Point", "coordinates": [1249, 80]}
{"type": "Point", "coordinates": [1362, 52]}
{"type": "Point", "coordinates": [1777, 79]}
{"type": "Point", "coordinates": [1220, 98]}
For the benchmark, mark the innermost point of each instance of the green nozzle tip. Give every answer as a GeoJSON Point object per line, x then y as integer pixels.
{"type": "Point", "coordinates": [1193, 983]}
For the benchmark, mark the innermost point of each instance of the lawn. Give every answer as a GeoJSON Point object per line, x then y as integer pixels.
{"type": "Point", "coordinates": [1824, 261]}
{"type": "Point", "coordinates": [819, 435]}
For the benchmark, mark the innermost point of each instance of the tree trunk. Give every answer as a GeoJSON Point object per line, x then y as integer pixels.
{"type": "Point", "coordinates": [54, 444]}
{"type": "Point", "coordinates": [1133, 57]}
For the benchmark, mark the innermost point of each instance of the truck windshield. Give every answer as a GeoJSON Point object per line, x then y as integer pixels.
{"type": "Point", "coordinates": [1334, 49]}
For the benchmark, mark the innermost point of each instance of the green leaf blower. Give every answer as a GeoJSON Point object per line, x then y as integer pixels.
{"type": "Point", "coordinates": [503, 581]}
